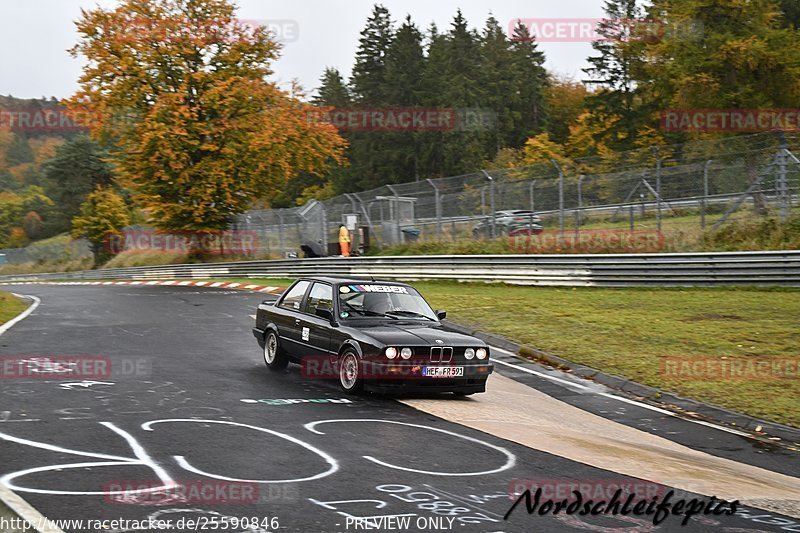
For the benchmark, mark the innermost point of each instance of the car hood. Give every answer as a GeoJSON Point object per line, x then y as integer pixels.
{"type": "Point", "coordinates": [418, 334]}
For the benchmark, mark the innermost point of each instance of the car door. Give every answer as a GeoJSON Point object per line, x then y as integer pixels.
{"type": "Point", "coordinates": [289, 319]}
{"type": "Point", "coordinates": [315, 331]}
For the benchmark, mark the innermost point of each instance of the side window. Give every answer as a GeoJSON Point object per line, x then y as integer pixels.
{"type": "Point", "coordinates": [321, 295]}
{"type": "Point", "coordinates": [294, 297]}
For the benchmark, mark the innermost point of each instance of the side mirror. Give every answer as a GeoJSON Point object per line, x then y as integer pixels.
{"type": "Point", "coordinates": [324, 312]}
{"type": "Point", "coordinates": [441, 314]}
{"type": "Point", "coordinates": [268, 302]}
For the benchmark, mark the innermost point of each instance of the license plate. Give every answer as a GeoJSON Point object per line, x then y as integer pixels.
{"type": "Point", "coordinates": [443, 371]}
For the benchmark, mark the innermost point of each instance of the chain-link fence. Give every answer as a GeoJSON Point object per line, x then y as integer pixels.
{"type": "Point", "coordinates": [675, 191]}
{"type": "Point", "coordinates": [63, 250]}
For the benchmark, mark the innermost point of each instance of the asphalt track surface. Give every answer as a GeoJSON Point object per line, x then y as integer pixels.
{"type": "Point", "coordinates": [181, 404]}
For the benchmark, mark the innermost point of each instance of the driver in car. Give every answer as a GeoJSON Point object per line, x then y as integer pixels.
{"type": "Point", "coordinates": [378, 302]}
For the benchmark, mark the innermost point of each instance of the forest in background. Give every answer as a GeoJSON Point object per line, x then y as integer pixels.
{"type": "Point", "coordinates": [720, 54]}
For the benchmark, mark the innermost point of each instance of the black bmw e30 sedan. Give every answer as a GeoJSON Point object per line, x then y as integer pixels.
{"type": "Point", "coordinates": [380, 336]}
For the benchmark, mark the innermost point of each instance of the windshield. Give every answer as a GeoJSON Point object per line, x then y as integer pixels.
{"type": "Point", "coordinates": [391, 302]}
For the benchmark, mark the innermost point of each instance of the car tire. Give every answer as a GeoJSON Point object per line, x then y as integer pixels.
{"type": "Point", "coordinates": [350, 373]}
{"type": "Point", "coordinates": [274, 357]}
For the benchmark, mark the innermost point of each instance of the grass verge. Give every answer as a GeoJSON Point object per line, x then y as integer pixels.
{"type": "Point", "coordinates": [10, 306]}
{"type": "Point", "coordinates": [634, 332]}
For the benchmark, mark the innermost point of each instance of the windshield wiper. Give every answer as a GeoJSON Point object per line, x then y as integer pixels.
{"type": "Point", "coordinates": [375, 313]}
{"type": "Point", "coordinates": [405, 312]}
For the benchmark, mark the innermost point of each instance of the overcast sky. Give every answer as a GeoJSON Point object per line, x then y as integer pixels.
{"type": "Point", "coordinates": [319, 33]}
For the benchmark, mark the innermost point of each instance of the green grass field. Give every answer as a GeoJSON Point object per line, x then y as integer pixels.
{"type": "Point", "coordinates": [632, 332]}
{"type": "Point", "coordinates": [10, 306]}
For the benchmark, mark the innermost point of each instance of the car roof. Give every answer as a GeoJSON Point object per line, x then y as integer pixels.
{"type": "Point", "coordinates": [333, 280]}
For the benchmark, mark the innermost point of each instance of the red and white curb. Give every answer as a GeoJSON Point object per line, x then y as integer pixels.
{"type": "Point", "coordinates": [176, 283]}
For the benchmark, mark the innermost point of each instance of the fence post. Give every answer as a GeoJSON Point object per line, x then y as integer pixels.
{"type": "Point", "coordinates": [783, 185]}
{"type": "Point", "coordinates": [280, 233]}
{"type": "Point", "coordinates": [352, 202]}
{"type": "Point", "coordinates": [264, 234]}
{"type": "Point", "coordinates": [705, 195]}
{"type": "Point", "coordinates": [438, 206]}
{"type": "Point", "coordinates": [354, 241]}
{"type": "Point", "coordinates": [324, 227]}
{"type": "Point", "coordinates": [580, 207]}
{"type": "Point", "coordinates": [533, 184]}
{"type": "Point", "coordinates": [658, 188]}
{"type": "Point", "coordinates": [631, 211]}
{"type": "Point", "coordinates": [491, 201]}
{"type": "Point", "coordinates": [642, 208]}
{"type": "Point", "coordinates": [560, 197]}
{"type": "Point", "coordinates": [394, 215]}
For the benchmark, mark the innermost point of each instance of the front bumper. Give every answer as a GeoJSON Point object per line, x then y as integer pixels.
{"type": "Point", "coordinates": [398, 377]}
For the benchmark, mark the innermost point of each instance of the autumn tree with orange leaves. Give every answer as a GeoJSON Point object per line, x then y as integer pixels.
{"type": "Point", "coordinates": [179, 91]}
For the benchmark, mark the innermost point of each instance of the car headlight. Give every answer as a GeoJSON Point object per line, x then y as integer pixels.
{"type": "Point", "coordinates": [469, 353]}
{"type": "Point", "coordinates": [406, 353]}
{"type": "Point", "coordinates": [481, 353]}
{"type": "Point", "coordinates": [391, 353]}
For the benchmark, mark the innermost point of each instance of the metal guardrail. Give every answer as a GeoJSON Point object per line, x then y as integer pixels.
{"type": "Point", "coordinates": [779, 268]}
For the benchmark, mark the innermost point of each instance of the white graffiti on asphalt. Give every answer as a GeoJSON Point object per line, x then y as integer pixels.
{"type": "Point", "coordinates": [510, 458]}
{"type": "Point", "coordinates": [183, 463]}
{"type": "Point", "coordinates": [90, 400]}
{"type": "Point", "coordinates": [45, 365]}
{"type": "Point", "coordinates": [85, 384]}
{"type": "Point", "coordinates": [141, 458]}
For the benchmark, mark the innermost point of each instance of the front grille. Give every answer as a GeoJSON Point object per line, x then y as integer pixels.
{"type": "Point", "coordinates": [441, 354]}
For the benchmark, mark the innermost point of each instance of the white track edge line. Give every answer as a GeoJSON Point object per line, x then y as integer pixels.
{"type": "Point", "coordinates": [23, 315]}
{"type": "Point", "coordinates": [9, 498]}
{"type": "Point", "coordinates": [615, 397]}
